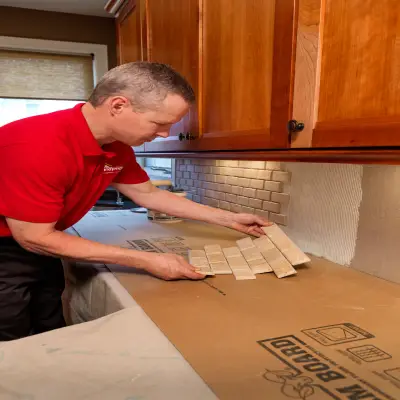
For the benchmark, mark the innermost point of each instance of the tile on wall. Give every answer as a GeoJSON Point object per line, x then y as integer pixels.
{"type": "Point", "coordinates": [237, 185]}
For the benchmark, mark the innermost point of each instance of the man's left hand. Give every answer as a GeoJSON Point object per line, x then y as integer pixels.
{"type": "Point", "coordinates": [249, 224]}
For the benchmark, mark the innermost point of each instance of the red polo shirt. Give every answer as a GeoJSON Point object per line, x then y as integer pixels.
{"type": "Point", "coordinates": [52, 169]}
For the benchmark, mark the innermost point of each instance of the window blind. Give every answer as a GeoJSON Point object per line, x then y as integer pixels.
{"type": "Point", "coordinates": [31, 75]}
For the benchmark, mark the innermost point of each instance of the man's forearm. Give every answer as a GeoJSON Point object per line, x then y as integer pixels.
{"type": "Point", "coordinates": [60, 244]}
{"type": "Point", "coordinates": [167, 202]}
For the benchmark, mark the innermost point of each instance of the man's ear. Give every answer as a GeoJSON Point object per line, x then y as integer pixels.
{"type": "Point", "coordinates": [117, 104]}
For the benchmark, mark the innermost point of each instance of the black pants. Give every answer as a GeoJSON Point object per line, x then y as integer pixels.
{"type": "Point", "coordinates": [31, 286]}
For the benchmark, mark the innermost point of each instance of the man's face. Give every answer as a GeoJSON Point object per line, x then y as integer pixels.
{"type": "Point", "coordinates": [135, 128]}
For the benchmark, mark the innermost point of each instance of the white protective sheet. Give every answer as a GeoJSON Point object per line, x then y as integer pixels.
{"type": "Point", "coordinates": [120, 356]}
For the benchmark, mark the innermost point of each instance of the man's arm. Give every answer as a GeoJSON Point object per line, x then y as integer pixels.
{"type": "Point", "coordinates": [44, 239]}
{"type": "Point", "coordinates": [147, 195]}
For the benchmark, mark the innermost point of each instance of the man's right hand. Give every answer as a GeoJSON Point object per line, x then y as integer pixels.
{"type": "Point", "coordinates": [170, 267]}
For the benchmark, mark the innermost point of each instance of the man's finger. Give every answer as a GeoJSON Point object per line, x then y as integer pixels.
{"type": "Point", "coordinates": [195, 275]}
{"type": "Point", "coordinates": [262, 221]}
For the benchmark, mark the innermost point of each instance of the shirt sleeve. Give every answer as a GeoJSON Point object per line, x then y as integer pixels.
{"type": "Point", "coordinates": [132, 173]}
{"type": "Point", "coordinates": [33, 183]}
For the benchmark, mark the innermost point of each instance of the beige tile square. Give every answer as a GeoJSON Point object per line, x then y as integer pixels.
{"type": "Point", "coordinates": [244, 275]}
{"type": "Point", "coordinates": [210, 178]}
{"type": "Point", "coordinates": [186, 175]}
{"type": "Point", "coordinates": [220, 195]}
{"type": "Point", "coordinates": [243, 200]}
{"type": "Point", "coordinates": [281, 176]}
{"type": "Point", "coordinates": [252, 164]}
{"type": "Point", "coordinates": [206, 170]}
{"type": "Point", "coordinates": [250, 173]}
{"type": "Point", "coordinates": [229, 163]}
{"type": "Point", "coordinates": [232, 180]}
{"type": "Point", "coordinates": [189, 182]}
{"type": "Point", "coordinates": [282, 198]}
{"type": "Point", "coordinates": [216, 258]}
{"type": "Point", "coordinates": [237, 263]}
{"type": "Point", "coordinates": [263, 195]}
{"type": "Point", "coordinates": [245, 243]}
{"type": "Point", "coordinates": [221, 179]}
{"type": "Point", "coordinates": [248, 192]}
{"type": "Point", "coordinates": [278, 218]}
{"type": "Point", "coordinates": [197, 199]}
{"type": "Point", "coordinates": [255, 203]}
{"type": "Point", "coordinates": [210, 193]}
{"type": "Point", "coordinates": [197, 253]}
{"type": "Point", "coordinates": [198, 168]}
{"type": "Point", "coordinates": [248, 210]}
{"type": "Point", "coordinates": [273, 165]}
{"type": "Point", "coordinates": [182, 168]}
{"type": "Point", "coordinates": [194, 176]}
{"type": "Point", "coordinates": [213, 186]}
{"type": "Point", "coordinates": [198, 261]}
{"type": "Point", "coordinates": [190, 168]}
{"type": "Point", "coordinates": [287, 247]}
{"type": "Point", "coordinates": [263, 243]}
{"type": "Point", "coordinates": [221, 268]}
{"type": "Point", "coordinates": [237, 190]}
{"type": "Point", "coordinates": [273, 186]}
{"type": "Point", "coordinates": [245, 182]}
{"type": "Point", "coordinates": [213, 249]}
{"type": "Point", "coordinates": [210, 202]}
{"type": "Point", "coordinates": [261, 268]}
{"type": "Point", "coordinates": [264, 174]}
{"type": "Point", "coordinates": [236, 208]}
{"type": "Point", "coordinates": [256, 183]}
{"type": "Point", "coordinates": [278, 263]}
{"type": "Point", "coordinates": [231, 252]}
{"type": "Point", "coordinates": [225, 205]}
{"type": "Point", "coordinates": [270, 206]}
{"type": "Point", "coordinates": [215, 170]}
{"type": "Point", "coordinates": [227, 188]}
{"type": "Point", "coordinates": [187, 162]}
{"type": "Point", "coordinates": [179, 174]}
{"type": "Point", "coordinates": [232, 198]}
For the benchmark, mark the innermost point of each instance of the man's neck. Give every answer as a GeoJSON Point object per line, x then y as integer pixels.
{"type": "Point", "coordinates": [97, 125]}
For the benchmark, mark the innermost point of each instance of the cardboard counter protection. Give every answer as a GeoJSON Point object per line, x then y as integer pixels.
{"type": "Point", "coordinates": [329, 332]}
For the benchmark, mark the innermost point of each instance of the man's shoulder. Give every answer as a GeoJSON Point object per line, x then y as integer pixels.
{"type": "Point", "coordinates": [38, 130]}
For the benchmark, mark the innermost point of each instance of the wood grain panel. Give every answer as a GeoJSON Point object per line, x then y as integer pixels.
{"type": "Point", "coordinates": [305, 82]}
{"type": "Point", "coordinates": [173, 37]}
{"type": "Point", "coordinates": [237, 59]}
{"type": "Point", "coordinates": [283, 71]}
{"type": "Point", "coordinates": [360, 76]}
{"type": "Point", "coordinates": [129, 35]}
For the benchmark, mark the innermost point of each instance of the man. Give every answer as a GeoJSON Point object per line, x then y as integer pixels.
{"type": "Point", "coordinates": [54, 167]}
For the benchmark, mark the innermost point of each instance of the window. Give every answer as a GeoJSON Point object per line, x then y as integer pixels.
{"type": "Point", "coordinates": [14, 109]}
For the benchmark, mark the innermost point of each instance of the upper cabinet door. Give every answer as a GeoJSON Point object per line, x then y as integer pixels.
{"type": "Point", "coordinates": [173, 39]}
{"type": "Point", "coordinates": [246, 62]}
{"type": "Point", "coordinates": [347, 82]}
{"type": "Point", "coordinates": [129, 33]}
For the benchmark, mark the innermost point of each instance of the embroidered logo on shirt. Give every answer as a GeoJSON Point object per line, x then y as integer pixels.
{"type": "Point", "coordinates": [110, 169]}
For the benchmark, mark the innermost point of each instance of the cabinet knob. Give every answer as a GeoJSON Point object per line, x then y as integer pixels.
{"type": "Point", "coordinates": [181, 136]}
{"type": "Point", "coordinates": [190, 136]}
{"type": "Point", "coordinates": [295, 126]}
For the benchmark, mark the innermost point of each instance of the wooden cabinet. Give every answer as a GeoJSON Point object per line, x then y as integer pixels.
{"type": "Point", "coordinates": [333, 66]}
{"type": "Point", "coordinates": [347, 75]}
{"type": "Point", "coordinates": [131, 37]}
{"type": "Point", "coordinates": [130, 32]}
{"type": "Point", "coordinates": [225, 49]}
{"type": "Point", "coordinates": [173, 39]}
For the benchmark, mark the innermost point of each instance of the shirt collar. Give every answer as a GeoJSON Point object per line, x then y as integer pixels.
{"type": "Point", "coordinates": [87, 142]}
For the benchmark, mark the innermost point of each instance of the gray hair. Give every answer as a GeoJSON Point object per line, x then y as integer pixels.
{"type": "Point", "coordinates": [145, 84]}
